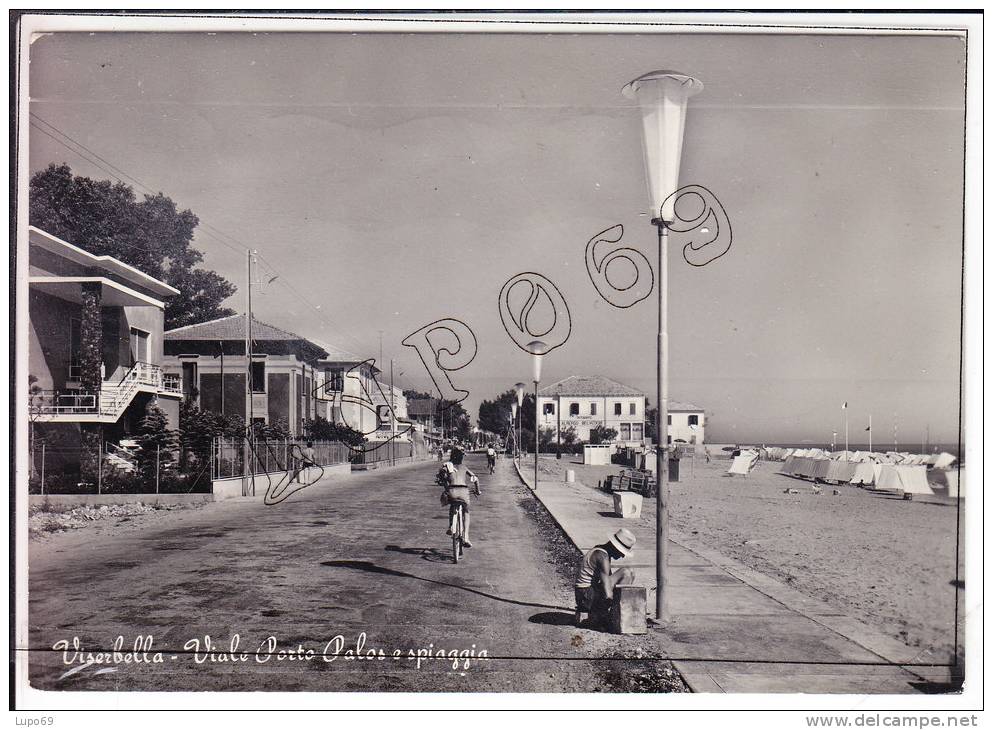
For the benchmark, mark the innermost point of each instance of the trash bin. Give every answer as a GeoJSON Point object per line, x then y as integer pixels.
{"type": "Point", "coordinates": [674, 467]}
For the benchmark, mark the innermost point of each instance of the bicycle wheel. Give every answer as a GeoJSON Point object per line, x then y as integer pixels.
{"type": "Point", "coordinates": [457, 535]}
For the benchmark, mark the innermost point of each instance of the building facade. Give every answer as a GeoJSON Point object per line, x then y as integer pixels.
{"type": "Point", "coordinates": [583, 403]}
{"type": "Point", "coordinates": [281, 388]}
{"type": "Point", "coordinates": [686, 423]}
{"type": "Point", "coordinates": [95, 340]}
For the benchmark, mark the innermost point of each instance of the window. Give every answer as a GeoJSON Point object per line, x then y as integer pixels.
{"type": "Point", "coordinates": [625, 432]}
{"type": "Point", "coordinates": [693, 420]}
{"type": "Point", "coordinates": [573, 409]}
{"type": "Point", "coordinates": [548, 409]}
{"type": "Point", "coordinates": [258, 376]}
{"type": "Point", "coordinates": [617, 409]}
{"type": "Point", "coordinates": [592, 409]}
{"type": "Point", "coordinates": [637, 431]}
{"type": "Point", "coordinates": [669, 420]}
{"type": "Point", "coordinates": [139, 345]}
{"type": "Point", "coordinates": [333, 380]}
{"type": "Point", "coordinates": [632, 409]}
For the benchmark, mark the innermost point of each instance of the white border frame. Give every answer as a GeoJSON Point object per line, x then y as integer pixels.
{"type": "Point", "coordinates": [640, 22]}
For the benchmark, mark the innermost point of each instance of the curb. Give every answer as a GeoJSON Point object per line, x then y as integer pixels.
{"type": "Point", "coordinates": [693, 686]}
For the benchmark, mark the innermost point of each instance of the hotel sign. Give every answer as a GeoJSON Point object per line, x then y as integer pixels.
{"type": "Point", "coordinates": [581, 422]}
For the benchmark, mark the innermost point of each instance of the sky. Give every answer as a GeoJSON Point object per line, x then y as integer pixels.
{"type": "Point", "coordinates": [391, 180]}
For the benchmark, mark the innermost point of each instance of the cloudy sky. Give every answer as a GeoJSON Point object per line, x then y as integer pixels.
{"type": "Point", "coordinates": [392, 180]}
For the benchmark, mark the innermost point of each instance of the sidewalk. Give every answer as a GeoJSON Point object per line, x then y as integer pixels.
{"type": "Point", "coordinates": [734, 629]}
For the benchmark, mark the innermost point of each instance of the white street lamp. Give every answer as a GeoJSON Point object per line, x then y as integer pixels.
{"type": "Point", "coordinates": [662, 97]}
{"type": "Point", "coordinates": [537, 348]}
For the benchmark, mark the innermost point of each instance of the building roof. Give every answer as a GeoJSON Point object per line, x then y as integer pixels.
{"type": "Point", "coordinates": [589, 386]}
{"type": "Point", "coordinates": [55, 245]}
{"type": "Point", "coordinates": [678, 407]}
{"type": "Point", "coordinates": [232, 327]}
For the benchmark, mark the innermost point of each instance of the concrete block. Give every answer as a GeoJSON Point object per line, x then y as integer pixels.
{"type": "Point", "coordinates": [627, 504]}
{"type": "Point", "coordinates": [629, 610]}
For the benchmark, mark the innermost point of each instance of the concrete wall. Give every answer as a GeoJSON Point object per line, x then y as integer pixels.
{"type": "Point", "coordinates": [95, 500]}
{"type": "Point", "coordinates": [241, 486]}
{"type": "Point", "coordinates": [48, 339]}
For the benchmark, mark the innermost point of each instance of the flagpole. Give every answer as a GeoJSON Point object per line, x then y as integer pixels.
{"type": "Point", "coordinates": [846, 430]}
{"type": "Point", "coordinates": [870, 432]}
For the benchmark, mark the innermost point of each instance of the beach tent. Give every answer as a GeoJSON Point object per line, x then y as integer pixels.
{"type": "Point", "coordinates": [864, 473]}
{"type": "Point", "coordinates": [914, 479]}
{"type": "Point", "coordinates": [945, 479]}
{"type": "Point", "coordinates": [839, 471]}
{"type": "Point", "coordinates": [943, 460]}
{"type": "Point", "coordinates": [787, 467]}
{"type": "Point", "coordinates": [909, 479]}
{"type": "Point", "coordinates": [743, 463]}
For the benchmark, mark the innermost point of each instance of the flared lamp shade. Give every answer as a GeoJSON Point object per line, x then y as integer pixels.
{"type": "Point", "coordinates": [520, 388]}
{"type": "Point", "coordinates": [513, 411]}
{"type": "Point", "coordinates": [537, 350]}
{"type": "Point", "coordinates": [662, 97]}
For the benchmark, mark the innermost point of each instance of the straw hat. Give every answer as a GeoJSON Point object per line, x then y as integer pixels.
{"type": "Point", "coordinates": [624, 541]}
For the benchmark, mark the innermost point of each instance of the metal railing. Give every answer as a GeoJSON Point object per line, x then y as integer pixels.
{"type": "Point", "coordinates": [52, 402]}
{"type": "Point", "coordinates": [238, 457]}
{"type": "Point", "coordinates": [113, 397]}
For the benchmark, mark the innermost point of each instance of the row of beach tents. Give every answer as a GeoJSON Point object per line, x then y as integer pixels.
{"type": "Point", "coordinates": [937, 461]}
{"type": "Point", "coordinates": [910, 478]}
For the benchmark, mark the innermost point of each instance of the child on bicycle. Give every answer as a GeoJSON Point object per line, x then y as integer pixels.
{"type": "Point", "coordinates": [490, 457]}
{"type": "Point", "coordinates": [457, 491]}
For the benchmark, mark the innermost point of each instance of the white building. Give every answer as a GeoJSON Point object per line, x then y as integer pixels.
{"type": "Point", "coordinates": [585, 402]}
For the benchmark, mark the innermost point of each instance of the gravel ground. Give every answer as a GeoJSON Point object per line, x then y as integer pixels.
{"type": "Point", "coordinates": [627, 669]}
{"type": "Point", "coordinates": [45, 520]}
{"type": "Point", "coordinates": [887, 562]}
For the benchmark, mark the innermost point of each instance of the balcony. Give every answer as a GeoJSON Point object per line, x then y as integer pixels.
{"type": "Point", "coordinates": [106, 406]}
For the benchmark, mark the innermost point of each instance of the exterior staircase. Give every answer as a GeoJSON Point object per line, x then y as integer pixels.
{"type": "Point", "coordinates": [109, 404]}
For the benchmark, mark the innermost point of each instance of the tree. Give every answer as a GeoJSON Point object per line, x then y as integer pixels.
{"type": "Point", "coordinates": [602, 434]}
{"type": "Point", "coordinates": [546, 436]}
{"type": "Point", "coordinates": [494, 415]}
{"type": "Point", "coordinates": [321, 429]}
{"type": "Point", "coordinates": [157, 443]}
{"type": "Point", "coordinates": [569, 437]}
{"type": "Point", "coordinates": [151, 235]}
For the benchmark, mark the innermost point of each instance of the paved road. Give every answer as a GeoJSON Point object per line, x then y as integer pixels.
{"type": "Point", "coordinates": [362, 558]}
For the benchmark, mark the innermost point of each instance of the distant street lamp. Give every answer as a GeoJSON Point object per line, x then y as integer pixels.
{"type": "Point", "coordinates": [513, 427]}
{"type": "Point", "coordinates": [537, 348]}
{"type": "Point", "coordinates": [662, 97]}
{"type": "Point", "coordinates": [519, 388]}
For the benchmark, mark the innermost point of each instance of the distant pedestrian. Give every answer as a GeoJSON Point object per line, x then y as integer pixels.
{"type": "Point", "coordinates": [307, 460]}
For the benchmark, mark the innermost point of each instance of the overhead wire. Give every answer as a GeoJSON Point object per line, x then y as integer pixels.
{"type": "Point", "coordinates": [210, 230]}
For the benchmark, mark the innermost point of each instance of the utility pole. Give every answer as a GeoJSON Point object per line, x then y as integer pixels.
{"type": "Point", "coordinates": [248, 366]}
{"type": "Point", "coordinates": [393, 415]}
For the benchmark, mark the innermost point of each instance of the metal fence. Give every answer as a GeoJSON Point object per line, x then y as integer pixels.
{"type": "Point", "coordinates": [387, 451]}
{"type": "Point", "coordinates": [241, 457]}
{"type": "Point", "coordinates": [60, 469]}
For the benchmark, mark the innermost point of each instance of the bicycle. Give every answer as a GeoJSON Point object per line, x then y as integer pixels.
{"type": "Point", "coordinates": [458, 531]}
{"type": "Point", "coordinates": [492, 465]}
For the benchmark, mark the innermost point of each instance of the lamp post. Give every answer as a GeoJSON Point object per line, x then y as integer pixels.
{"type": "Point", "coordinates": [537, 348]}
{"type": "Point", "coordinates": [513, 427]}
{"type": "Point", "coordinates": [662, 97]}
{"type": "Point", "coordinates": [519, 388]}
